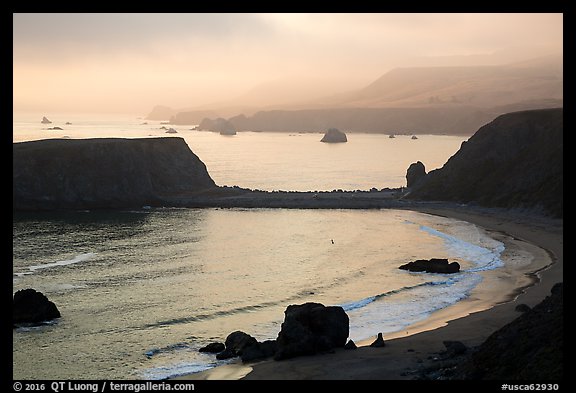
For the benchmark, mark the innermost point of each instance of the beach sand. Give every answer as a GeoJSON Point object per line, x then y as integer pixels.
{"type": "Point", "coordinates": [470, 321]}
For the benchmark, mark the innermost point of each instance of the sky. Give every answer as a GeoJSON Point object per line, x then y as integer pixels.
{"type": "Point", "coordinates": [127, 63]}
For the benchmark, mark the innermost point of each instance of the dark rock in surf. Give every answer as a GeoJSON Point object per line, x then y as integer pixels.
{"type": "Point", "coordinates": [214, 347]}
{"type": "Point", "coordinates": [379, 342]}
{"type": "Point", "coordinates": [350, 345]}
{"type": "Point", "coordinates": [311, 328]}
{"type": "Point", "coordinates": [32, 307]}
{"type": "Point", "coordinates": [434, 265]}
{"type": "Point", "coordinates": [45, 120]}
{"type": "Point", "coordinates": [415, 172]}
{"type": "Point", "coordinates": [334, 135]}
{"type": "Point", "coordinates": [226, 354]}
{"type": "Point", "coordinates": [237, 341]}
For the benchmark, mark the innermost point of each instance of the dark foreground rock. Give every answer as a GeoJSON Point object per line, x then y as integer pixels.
{"type": "Point", "coordinates": [32, 307]}
{"type": "Point", "coordinates": [259, 350]}
{"type": "Point", "coordinates": [334, 135]}
{"type": "Point", "coordinates": [311, 328]}
{"type": "Point", "coordinates": [104, 173]}
{"type": "Point", "coordinates": [237, 341]}
{"type": "Point", "coordinates": [528, 348]}
{"type": "Point", "coordinates": [379, 342]}
{"type": "Point", "coordinates": [350, 345]}
{"type": "Point", "coordinates": [531, 347]}
{"type": "Point", "coordinates": [434, 265]}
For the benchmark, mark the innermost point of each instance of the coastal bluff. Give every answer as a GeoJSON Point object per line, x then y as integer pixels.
{"type": "Point", "coordinates": [515, 161]}
{"type": "Point", "coordinates": [104, 173]}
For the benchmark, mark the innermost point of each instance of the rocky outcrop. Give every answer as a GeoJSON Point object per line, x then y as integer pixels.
{"type": "Point", "coordinates": [415, 172]}
{"type": "Point", "coordinates": [104, 173]}
{"type": "Point", "coordinates": [514, 161]}
{"type": "Point", "coordinates": [220, 125]}
{"type": "Point", "coordinates": [45, 120]}
{"type": "Point", "coordinates": [528, 348]}
{"type": "Point", "coordinates": [379, 342]}
{"type": "Point", "coordinates": [311, 328]}
{"type": "Point", "coordinates": [171, 131]}
{"type": "Point", "coordinates": [32, 307]}
{"type": "Point", "coordinates": [350, 345]}
{"type": "Point", "coordinates": [434, 265]}
{"type": "Point", "coordinates": [334, 135]}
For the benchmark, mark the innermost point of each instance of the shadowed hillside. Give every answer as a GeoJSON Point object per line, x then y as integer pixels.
{"type": "Point", "coordinates": [514, 161]}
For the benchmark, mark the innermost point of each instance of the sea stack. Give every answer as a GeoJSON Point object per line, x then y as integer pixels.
{"type": "Point", "coordinates": [334, 135]}
{"type": "Point", "coordinates": [45, 120]}
{"type": "Point", "coordinates": [415, 172]}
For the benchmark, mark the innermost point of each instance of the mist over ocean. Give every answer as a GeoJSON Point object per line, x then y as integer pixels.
{"type": "Point", "coordinates": [141, 291]}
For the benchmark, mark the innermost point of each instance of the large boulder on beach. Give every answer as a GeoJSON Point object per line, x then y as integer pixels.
{"type": "Point", "coordinates": [434, 265]}
{"type": "Point", "coordinates": [258, 351]}
{"type": "Point", "coordinates": [415, 172]}
{"type": "Point", "coordinates": [32, 307]}
{"type": "Point", "coordinates": [334, 135]}
{"type": "Point", "coordinates": [311, 328]}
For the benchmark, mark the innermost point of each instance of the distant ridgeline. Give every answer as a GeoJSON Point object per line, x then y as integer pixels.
{"type": "Point", "coordinates": [103, 173]}
{"type": "Point", "coordinates": [514, 161]}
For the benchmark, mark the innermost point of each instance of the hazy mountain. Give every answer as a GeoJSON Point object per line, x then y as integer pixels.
{"type": "Point", "coordinates": [482, 86]}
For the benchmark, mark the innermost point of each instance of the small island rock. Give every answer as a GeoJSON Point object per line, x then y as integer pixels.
{"type": "Point", "coordinates": [334, 135]}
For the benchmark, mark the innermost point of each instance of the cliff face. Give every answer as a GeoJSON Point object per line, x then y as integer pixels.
{"type": "Point", "coordinates": [514, 161]}
{"type": "Point", "coordinates": [103, 173]}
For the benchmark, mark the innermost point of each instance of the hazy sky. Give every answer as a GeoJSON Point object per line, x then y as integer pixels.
{"type": "Point", "coordinates": [130, 62]}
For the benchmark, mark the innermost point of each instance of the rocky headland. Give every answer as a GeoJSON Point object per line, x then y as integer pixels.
{"type": "Point", "coordinates": [104, 173]}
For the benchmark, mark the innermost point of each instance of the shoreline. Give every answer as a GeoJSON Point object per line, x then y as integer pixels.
{"type": "Point", "coordinates": [466, 322]}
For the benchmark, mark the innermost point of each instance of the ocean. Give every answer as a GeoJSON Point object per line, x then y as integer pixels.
{"type": "Point", "coordinates": [140, 291]}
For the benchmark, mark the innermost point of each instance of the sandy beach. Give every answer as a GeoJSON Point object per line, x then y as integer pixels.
{"type": "Point", "coordinates": [470, 321]}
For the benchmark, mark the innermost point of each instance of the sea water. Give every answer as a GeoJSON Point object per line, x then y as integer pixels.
{"type": "Point", "coordinates": [140, 291]}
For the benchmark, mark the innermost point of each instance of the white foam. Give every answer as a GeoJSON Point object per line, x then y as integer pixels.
{"type": "Point", "coordinates": [77, 259]}
{"type": "Point", "coordinates": [484, 258]}
{"type": "Point", "coordinates": [174, 370]}
{"type": "Point", "coordinates": [416, 304]}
